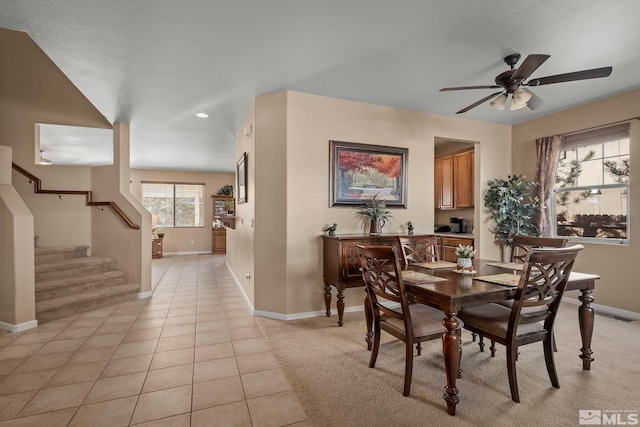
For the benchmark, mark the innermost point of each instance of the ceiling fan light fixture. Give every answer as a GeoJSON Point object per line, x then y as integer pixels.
{"type": "Point", "coordinates": [521, 96]}
{"type": "Point", "coordinates": [515, 105]}
{"type": "Point", "coordinates": [499, 102]}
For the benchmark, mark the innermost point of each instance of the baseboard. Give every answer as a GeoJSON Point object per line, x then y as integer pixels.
{"type": "Point", "coordinates": [235, 279]}
{"type": "Point", "coordinates": [305, 315]}
{"type": "Point", "coordinates": [606, 310]}
{"type": "Point", "coordinates": [19, 327]}
{"type": "Point", "coordinates": [188, 253]}
{"type": "Point", "coordinates": [143, 295]}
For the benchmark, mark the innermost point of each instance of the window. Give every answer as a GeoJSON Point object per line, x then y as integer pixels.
{"type": "Point", "coordinates": [177, 205]}
{"type": "Point", "coordinates": [592, 186]}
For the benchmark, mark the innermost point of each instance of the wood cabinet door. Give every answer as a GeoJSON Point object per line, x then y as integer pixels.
{"type": "Point", "coordinates": [446, 180]}
{"type": "Point", "coordinates": [437, 183]}
{"type": "Point", "coordinates": [449, 254]}
{"type": "Point", "coordinates": [219, 241]}
{"type": "Point", "coordinates": [463, 182]}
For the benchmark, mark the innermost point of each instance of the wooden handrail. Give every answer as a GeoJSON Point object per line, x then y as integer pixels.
{"type": "Point", "coordinates": [37, 188]}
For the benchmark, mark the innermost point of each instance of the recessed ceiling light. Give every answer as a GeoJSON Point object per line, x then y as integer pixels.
{"type": "Point", "coordinates": [202, 115]}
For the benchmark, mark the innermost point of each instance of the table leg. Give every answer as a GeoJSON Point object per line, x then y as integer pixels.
{"type": "Point", "coordinates": [586, 319]}
{"type": "Point", "coordinates": [451, 351]}
{"type": "Point", "coordinates": [327, 298]}
{"type": "Point", "coordinates": [368, 316]}
{"type": "Point", "coordinates": [340, 305]}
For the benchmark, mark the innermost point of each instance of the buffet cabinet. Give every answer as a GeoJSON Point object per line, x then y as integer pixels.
{"type": "Point", "coordinates": [342, 264]}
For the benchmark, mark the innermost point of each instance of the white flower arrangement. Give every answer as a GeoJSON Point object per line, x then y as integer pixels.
{"type": "Point", "coordinates": [465, 251]}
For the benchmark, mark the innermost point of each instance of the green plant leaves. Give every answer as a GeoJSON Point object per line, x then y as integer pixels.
{"type": "Point", "coordinates": [512, 208]}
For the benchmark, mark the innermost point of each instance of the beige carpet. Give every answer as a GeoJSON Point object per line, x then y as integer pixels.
{"type": "Point", "coordinates": [327, 367]}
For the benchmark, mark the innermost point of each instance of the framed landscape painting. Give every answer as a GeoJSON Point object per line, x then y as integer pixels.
{"type": "Point", "coordinates": [361, 171]}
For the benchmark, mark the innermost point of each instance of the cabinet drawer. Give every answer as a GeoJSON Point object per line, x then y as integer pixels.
{"type": "Point", "coordinates": [455, 241]}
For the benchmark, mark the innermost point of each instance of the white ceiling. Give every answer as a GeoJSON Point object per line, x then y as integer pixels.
{"type": "Point", "coordinates": [156, 63]}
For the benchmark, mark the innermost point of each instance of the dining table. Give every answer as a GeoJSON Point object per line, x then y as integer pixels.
{"type": "Point", "coordinates": [439, 284]}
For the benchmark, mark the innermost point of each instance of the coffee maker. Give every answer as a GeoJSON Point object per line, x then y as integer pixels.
{"type": "Point", "coordinates": [457, 224]}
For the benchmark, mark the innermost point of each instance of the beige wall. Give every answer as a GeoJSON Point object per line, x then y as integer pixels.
{"type": "Point", "coordinates": [292, 136]}
{"type": "Point", "coordinates": [35, 91]}
{"type": "Point", "coordinates": [17, 288]}
{"type": "Point", "coordinates": [178, 240]}
{"type": "Point", "coordinates": [110, 236]}
{"type": "Point", "coordinates": [240, 241]}
{"type": "Point", "coordinates": [617, 286]}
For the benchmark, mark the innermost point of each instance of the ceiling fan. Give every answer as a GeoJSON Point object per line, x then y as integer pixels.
{"type": "Point", "coordinates": [511, 82]}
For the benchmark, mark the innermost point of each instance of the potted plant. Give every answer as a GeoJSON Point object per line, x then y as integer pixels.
{"type": "Point", "coordinates": [464, 254]}
{"type": "Point", "coordinates": [227, 190]}
{"type": "Point", "coordinates": [375, 213]}
{"type": "Point", "coordinates": [512, 208]}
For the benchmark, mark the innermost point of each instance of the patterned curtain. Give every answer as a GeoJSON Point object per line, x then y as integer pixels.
{"type": "Point", "coordinates": [548, 153]}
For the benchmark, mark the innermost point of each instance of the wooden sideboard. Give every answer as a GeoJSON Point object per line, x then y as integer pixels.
{"type": "Point", "coordinates": [342, 264]}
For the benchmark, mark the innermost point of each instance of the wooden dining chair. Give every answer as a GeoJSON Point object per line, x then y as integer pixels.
{"type": "Point", "coordinates": [523, 244]}
{"type": "Point", "coordinates": [418, 249]}
{"type": "Point", "coordinates": [389, 307]}
{"type": "Point", "coordinates": [520, 248]}
{"type": "Point", "coordinates": [542, 284]}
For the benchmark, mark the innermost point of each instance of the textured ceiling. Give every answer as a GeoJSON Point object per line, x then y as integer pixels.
{"type": "Point", "coordinates": [155, 63]}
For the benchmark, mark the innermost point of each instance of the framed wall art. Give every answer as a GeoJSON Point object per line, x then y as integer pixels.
{"type": "Point", "coordinates": [360, 171]}
{"type": "Point", "coordinates": [241, 177]}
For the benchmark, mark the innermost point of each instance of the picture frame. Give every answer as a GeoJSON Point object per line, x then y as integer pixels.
{"type": "Point", "coordinates": [360, 171]}
{"type": "Point", "coordinates": [241, 179]}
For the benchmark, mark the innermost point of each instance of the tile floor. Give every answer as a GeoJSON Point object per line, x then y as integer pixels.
{"type": "Point", "coordinates": [191, 355]}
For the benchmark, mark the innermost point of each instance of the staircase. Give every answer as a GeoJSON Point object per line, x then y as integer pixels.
{"type": "Point", "coordinates": [69, 282]}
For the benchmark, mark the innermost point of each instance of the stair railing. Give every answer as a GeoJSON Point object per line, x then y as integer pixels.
{"type": "Point", "coordinates": [37, 188]}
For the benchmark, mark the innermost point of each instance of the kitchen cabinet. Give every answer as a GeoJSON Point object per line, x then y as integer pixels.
{"type": "Point", "coordinates": [444, 182]}
{"type": "Point", "coordinates": [453, 180]}
{"type": "Point", "coordinates": [448, 246]}
{"type": "Point", "coordinates": [463, 179]}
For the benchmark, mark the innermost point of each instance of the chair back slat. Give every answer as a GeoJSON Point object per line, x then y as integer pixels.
{"type": "Point", "coordinates": [382, 274]}
{"type": "Point", "coordinates": [522, 245]}
{"type": "Point", "coordinates": [542, 283]}
{"type": "Point", "coordinates": [416, 249]}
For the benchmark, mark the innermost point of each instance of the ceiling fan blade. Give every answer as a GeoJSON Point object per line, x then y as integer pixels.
{"type": "Point", "coordinates": [530, 64]}
{"type": "Point", "coordinates": [535, 101]}
{"type": "Point", "coordinates": [594, 73]}
{"type": "Point", "coordinates": [475, 104]}
{"type": "Point", "coordinates": [445, 89]}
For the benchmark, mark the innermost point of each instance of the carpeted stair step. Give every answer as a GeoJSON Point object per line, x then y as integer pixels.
{"type": "Point", "coordinates": [75, 285]}
{"type": "Point", "coordinates": [73, 268]}
{"type": "Point", "coordinates": [57, 308]}
{"type": "Point", "coordinates": [49, 254]}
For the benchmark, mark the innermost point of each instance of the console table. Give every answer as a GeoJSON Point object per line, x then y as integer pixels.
{"type": "Point", "coordinates": [342, 264]}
